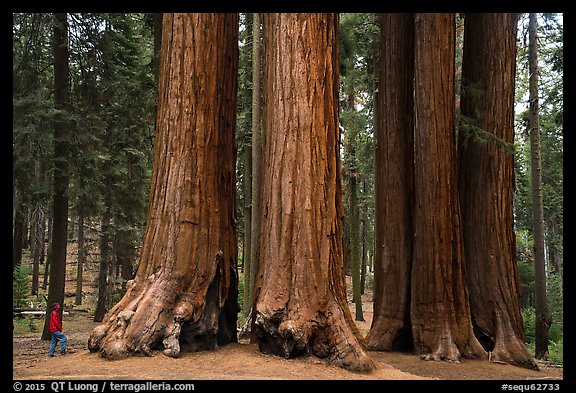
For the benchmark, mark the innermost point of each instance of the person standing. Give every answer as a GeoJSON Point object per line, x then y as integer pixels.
{"type": "Point", "coordinates": [56, 330]}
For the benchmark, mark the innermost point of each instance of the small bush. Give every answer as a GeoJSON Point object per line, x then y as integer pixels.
{"type": "Point", "coordinates": [529, 316]}
{"type": "Point", "coordinates": [555, 336]}
{"type": "Point", "coordinates": [555, 332]}
{"type": "Point", "coordinates": [556, 351]}
{"type": "Point", "coordinates": [20, 286]}
{"type": "Point", "coordinates": [23, 325]}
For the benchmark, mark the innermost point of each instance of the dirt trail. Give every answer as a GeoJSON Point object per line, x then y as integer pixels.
{"type": "Point", "coordinates": [238, 361]}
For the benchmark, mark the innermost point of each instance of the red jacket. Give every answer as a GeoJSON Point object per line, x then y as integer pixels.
{"type": "Point", "coordinates": [55, 322]}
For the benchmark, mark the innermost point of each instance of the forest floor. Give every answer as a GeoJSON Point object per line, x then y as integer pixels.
{"type": "Point", "coordinates": [237, 361]}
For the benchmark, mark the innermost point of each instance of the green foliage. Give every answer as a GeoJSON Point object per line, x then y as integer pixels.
{"type": "Point", "coordinates": [470, 131]}
{"type": "Point", "coordinates": [113, 96]}
{"type": "Point", "coordinates": [243, 117]}
{"type": "Point", "coordinates": [551, 108]}
{"type": "Point", "coordinates": [359, 51]}
{"type": "Point", "coordinates": [20, 285]}
{"type": "Point", "coordinates": [23, 325]}
{"type": "Point", "coordinates": [556, 351]}
{"type": "Point", "coordinates": [555, 337]}
{"type": "Point", "coordinates": [32, 106]}
{"type": "Point", "coordinates": [525, 257]}
{"type": "Point", "coordinates": [555, 297]}
{"type": "Point", "coordinates": [550, 73]}
{"type": "Point", "coordinates": [529, 316]}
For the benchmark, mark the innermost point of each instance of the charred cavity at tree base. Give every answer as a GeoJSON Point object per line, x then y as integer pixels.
{"type": "Point", "coordinates": [403, 341]}
{"type": "Point", "coordinates": [320, 343]}
{"type": "Point", "coordinates": [217, 326]}
{"type": "Point", "coordinates": [274, 344]}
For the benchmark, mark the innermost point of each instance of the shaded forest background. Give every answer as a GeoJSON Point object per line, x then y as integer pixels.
{"type": "Point", "coordinates": [113, 91]}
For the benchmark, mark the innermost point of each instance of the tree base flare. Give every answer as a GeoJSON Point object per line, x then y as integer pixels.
{"type": "Point", "coordinates": [148, 319]}
{"type": "Point", "coordinates": [447, 348]}
{"type": "Point", "coordinates": [321, 337]}
{"type": "Point", "coordinates": [389, 334]}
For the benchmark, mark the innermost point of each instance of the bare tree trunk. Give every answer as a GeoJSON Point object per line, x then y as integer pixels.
{"type": "Point", "coordinates": [48, 252]}
{"type": "Point", "coordinates": [37, 243]}
{"type": "Point", "coordinates": [124, 249]}
{"type": "Point", "coordinates": [184, 294]}
{"type": "Point", "coordinates": [18, 229]}
{"type": "Point", "coordinates": [440, 311]}
{"type": "Point", "coordinates": [543, 320]}
{"type": "Point", "coordinates": [300, 301]}
{"type": "Point", "coordinates": [81, 256]}
{"type": "Point", "coordinates": [355, 257]}
{"type": "Point", "coordinates": [487, 184]}
{"type": "Point", "coordinates": [554, 259]}
{"type": "Point", "coordinates": [61, 176]}
{"type": "Point", "coordinates": [364, 264]}
{"type": "Point", "coordinates": [105, 263]}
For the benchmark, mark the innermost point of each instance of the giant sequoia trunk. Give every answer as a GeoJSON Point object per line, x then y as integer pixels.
{"type": "Point", "coordinates": [394, 169]}
{"type": "Point", "coordinates": [486, 185]}
{"type": "Point", "coordinates": [300, 303]}
{"type": "Point", "coordinates": [440, 311]}
{"type": "Point", "coordinates": [183, 296]}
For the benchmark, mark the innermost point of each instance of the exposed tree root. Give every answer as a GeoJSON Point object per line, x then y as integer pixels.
{"type": "Point", "coordinates": [155, 315]}
{"type": "Point", "coordinates": [388, 334]}
{"type": "Point", "coordinates": [450, 350]}
{"type": "Point", "coordinates": [325, 335]}
{"type": "Point", "coordinates": [508, 348]}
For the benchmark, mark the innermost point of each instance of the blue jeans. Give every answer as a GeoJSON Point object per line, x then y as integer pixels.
{"type": "Point", "coordinates": [57, 337]}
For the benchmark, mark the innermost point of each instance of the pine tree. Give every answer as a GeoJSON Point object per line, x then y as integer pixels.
{"type": "Point", "coordinates": [61, 168]}
{"type": "Point", "coordinates": [542, 317]}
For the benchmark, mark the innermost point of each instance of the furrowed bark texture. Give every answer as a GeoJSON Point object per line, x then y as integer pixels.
{"type": "Point", "coordinates": [440, 311]}
{"type": "Point", "coordinates": [184, 294]}
{"type": "Point", "coordinates": [486, 186]}
{"type": "Point", "coordinates": [300, 290]}
{"type": "Point", "coordinates": [61, 170]}
{"type": "Point", "coordinates": [394, 166]}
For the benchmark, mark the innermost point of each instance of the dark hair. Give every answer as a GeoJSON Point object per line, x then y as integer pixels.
{"type": "Point", "coordinates": [54, 305]}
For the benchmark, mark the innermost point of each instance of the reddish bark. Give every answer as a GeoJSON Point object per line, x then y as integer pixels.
{"type": "Point", "coordinates": [300, 303]}
{"type": "Point", "coordinates": [184, 294]}
{"type": "Point", "coordinates": [440, 311]}
{"type": "Point", "coordinates": [394, 166]}
{"type": "Point", "coordinates": [487, 182]}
